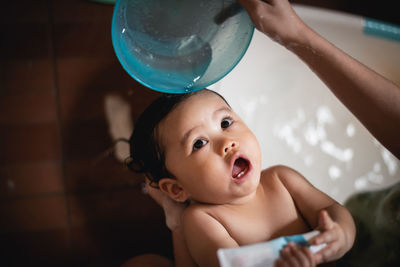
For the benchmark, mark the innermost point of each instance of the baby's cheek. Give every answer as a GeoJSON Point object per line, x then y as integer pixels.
{"type": "Point", "coordinates": [253, 142]}
{"type": "Point", "coordinates": [256, 152]}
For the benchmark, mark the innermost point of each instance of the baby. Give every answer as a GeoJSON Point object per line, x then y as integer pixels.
{"type": "Point", "coordinates": [197, 150]}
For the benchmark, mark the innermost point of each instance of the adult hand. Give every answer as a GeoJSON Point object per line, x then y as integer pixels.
{"type": "Point", "coordinates": [275, 18]}
{"type": "Point", "coordinates": [173, 210]}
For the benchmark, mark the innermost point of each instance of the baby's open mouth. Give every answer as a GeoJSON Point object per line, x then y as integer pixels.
{"type": "Point", "coordinates": [240, 167]}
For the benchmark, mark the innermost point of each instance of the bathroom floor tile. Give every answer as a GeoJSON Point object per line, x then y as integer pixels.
{"type": "Point", "coordinates": [116, 225]}
{"type": "Point", "coordinates": [29, 107]}
{"type": "Point", "coordinates": [95, 73]}
{"type": "Point", "coordinates": [22, 143]}
{"type": "Point", "coordinates": [83, 39]}
{"type": "Point", "coordinates": [128, 204]}
{"type": "Point", "coordinates": [81, 11]}
{"type": "Point", "coordinates": [29, 142]}
{"type": "Point", "coordinates": [25, 57]}
{"type": "Point", "coordinates": [32, 178]}
{"type": "Point", "coordinates": [21, 75]}
{"type": "Point", "coordinates": [33, 214]}
{"type": "Point", "coordinates": [37, 248]}
{"type": "Point", "coordinates": [117, 242]}
{"type": "Point", "coordinates": [25, 40]}
{"type": "Point", "coordinates": [24, 11]}
{"type": "Point", "coordinates": [84, 82]}
{"type": "Point", "coordinates": [101, 173]}
{"type": "Point", "coordinates": [80, 105]}
{"type": "Point", "coordinates": [85, 139]}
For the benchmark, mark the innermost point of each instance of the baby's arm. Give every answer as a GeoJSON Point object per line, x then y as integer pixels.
{"type": "Point", "coordinates": [374, 100]}
{"type": "Point", "coordinates": [322, 213]}
{"type": "Point", "coordinates": [204, 235]}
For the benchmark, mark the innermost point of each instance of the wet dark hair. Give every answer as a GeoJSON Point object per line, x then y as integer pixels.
{"type": "Point", "coordinates": [146, 155]}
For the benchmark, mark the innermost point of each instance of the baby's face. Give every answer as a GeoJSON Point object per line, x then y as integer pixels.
{"type": "Point", "coordinates": [210, 150]}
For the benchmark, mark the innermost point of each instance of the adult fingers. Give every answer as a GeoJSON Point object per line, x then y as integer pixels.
{"type": "Point", "coordinates": [254, 7]}
{"type": "Point", "coordinates": [155, 194]}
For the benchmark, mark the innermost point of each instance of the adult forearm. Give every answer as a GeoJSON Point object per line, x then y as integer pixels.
{"type": "Point", "coordinates": [373, 99]}
{"type": "Point", "coordinates": [181, 252]}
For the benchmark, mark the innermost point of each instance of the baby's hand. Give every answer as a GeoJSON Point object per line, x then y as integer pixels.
{"type": "Point", "coordinates": [293, 255]}
{"type": "Point", "coordinates": [172, 209]}
{"type": "Point", "coordinates": [275, 18]}
{"type": "Point", "coordinates": [333, 235]}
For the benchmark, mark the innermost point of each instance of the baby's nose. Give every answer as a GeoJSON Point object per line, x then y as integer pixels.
{"type": "Point", "coordinates": [229, 145]}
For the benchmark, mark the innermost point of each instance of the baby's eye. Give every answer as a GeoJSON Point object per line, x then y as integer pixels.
{"type": "Point", "coordinates": [199, 144]}
{"type": "Point", "coordinates": [226, 122]}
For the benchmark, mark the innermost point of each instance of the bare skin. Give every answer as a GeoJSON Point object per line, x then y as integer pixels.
{"type": "Point", "coordinates": [227, 212]}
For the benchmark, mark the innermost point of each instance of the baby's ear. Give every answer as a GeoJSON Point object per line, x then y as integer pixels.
{"type": "Point", "coordinates": [173, 189]}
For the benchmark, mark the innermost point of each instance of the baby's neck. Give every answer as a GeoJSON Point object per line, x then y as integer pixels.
{"type": "Point", "coordinates": [237, 201]}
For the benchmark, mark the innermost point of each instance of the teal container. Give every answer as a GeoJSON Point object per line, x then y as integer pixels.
{"type": "Point", "coordinates": [179, 46]}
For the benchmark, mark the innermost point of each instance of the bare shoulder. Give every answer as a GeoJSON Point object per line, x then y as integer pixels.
{"type": "Point", "coordinates": [204, 234]}
{"type": "Point", "coordinates": [276, 169]}
{"type": "Point", "coordinates": [279, 173]}
{"type": "Point", "coordinates": [193, 211]}
{"type": "Point", "coordinates": [203, 220]}
{"type": "Point", "coordinates": [197, 216]}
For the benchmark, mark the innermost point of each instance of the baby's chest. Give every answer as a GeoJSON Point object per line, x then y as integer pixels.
{"type": "Point", "coordinates": [253, 226]}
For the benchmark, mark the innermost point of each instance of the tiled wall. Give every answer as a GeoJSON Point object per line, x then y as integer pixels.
{"type": "Point", "coordinates": [63, 201]}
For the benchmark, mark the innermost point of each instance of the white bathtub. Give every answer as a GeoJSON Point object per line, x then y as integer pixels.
{"type": "Point", "coordinates": [299, 122]}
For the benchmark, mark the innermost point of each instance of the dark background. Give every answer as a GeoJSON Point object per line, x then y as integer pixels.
{"type": "Point", "coordinates": [64, 200]}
